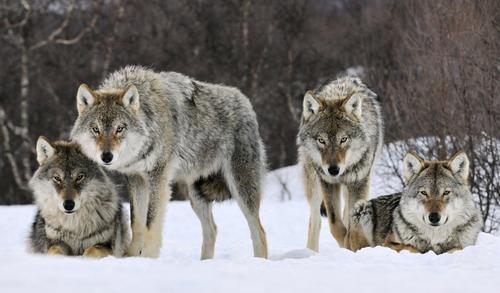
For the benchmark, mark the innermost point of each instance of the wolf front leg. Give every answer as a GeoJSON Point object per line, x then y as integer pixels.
{"type": "Point", "coordinates": [315, 198]}
{"type": "Point", "coordinates": [97, 251]}
{"type": "Point", "coordinates": [59, 249]}
{"type": "Point", "coordinates": [159, 187]}
{"type": "Point", "coordinates": [360, 232]}
{"type": "Point", "coordinates": [139, 202]}
{"type": "Point", "coordinates": [331, 198]}
{"type": "Point", "coordinates": [353, 192]}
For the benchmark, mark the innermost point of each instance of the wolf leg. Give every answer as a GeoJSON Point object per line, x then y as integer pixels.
{"type": "Point", "coordinates": [58, 250]}
{"type": "Point", "coordinates": [353, 192]}
{"type": "Point", "coordinates": [393, 243]}
{"type": "Point", "coordinates": [97, 251]}
{"type": "Point", "coordinates": [244, 185]}
{"type": "Point", "coordinates": [203, 210]}
{"type": "Point", "coordinates": [159, 196]}
{"type": "Point", "coordinates": [314, 198]}
{"type": "Point", "coordinates": [139, 201]}
{"type": "Point", "coordinates": [360, 230]}
{"type": "Point", "coordinates": [453, 250]}
{"type": "Point", "coordinates": [331, 198]}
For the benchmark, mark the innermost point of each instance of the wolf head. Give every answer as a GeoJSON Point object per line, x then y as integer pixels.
{"type": "Point", "coordinates": [107, 127]}
{"type": "Point", "coordinates": [331, 130]}
{"type": "Point", "coordinates": [66, 179]}
{"type": "Point", "coordinates": [437, 192]}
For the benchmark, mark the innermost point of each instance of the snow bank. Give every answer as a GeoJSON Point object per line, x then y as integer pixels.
{"type": "Point", "coordinates": [291, 268]}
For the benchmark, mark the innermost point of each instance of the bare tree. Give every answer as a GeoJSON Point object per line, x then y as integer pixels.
{"type": "Point", "coordinates": [17, 31]}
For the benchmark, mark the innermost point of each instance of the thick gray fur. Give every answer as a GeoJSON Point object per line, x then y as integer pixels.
{"type": "Point", "coordinates": [183, 130]}
{"type": "Point", "coordinates": [99, 221]}
{"type": "Point", "coordinates": [343, 108]}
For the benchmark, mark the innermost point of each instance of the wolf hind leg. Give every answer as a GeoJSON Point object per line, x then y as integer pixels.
{"type": "Point", "coordinates": [203, 210]}
{"type": "Point", "coordinates": [243, 181]}
{"type": "Point", "coordinates": [315, 199]}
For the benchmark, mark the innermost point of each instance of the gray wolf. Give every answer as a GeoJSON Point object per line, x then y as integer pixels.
{"type": "Point", "coordinates": [340, 137]}
{"type": "Point", "coordinates": [435, 211]}
{"type": "Point", "coordinates": [79, 212]}
{"type": "Point", "coordinates": [164, 127]}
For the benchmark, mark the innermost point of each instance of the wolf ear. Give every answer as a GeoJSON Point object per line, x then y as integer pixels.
{"type": "Point", "coordinates": [412, 164]}
{"type": "Point", "coordinates": [84, 98]}
{"type": "Point", "coordinates": [353, 106]}
{"type": "Point", "coordinates": [130, 98]}
{"type": "Point", "coordinates": [44, 150]}
{"type": "Point", "coordinates": [459, 164]}
{"type": "Point", "coordinates": [310, 106]}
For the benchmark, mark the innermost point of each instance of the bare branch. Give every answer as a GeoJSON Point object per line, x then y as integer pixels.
{"type": "Point", "coordinates": [20, 181]}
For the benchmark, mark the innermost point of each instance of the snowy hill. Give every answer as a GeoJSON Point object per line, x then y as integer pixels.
{"type": "Point", "coordinates": [291, 268]}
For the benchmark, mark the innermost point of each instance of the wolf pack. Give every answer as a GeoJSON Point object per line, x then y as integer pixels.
{"type": "Point", "coordinates": [164, 128]}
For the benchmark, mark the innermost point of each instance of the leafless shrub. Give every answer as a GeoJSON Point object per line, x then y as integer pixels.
{"type": "Point", "coordinates": [447, 90]}
{"type": "Point", "coordinates": [285, 193]}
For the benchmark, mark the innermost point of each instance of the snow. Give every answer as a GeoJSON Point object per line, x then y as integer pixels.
{"type": "Point", "coordinates": [290, 268]}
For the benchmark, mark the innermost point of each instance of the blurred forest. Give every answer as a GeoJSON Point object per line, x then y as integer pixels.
{"type": "Point", "coordinates": [436, 65]}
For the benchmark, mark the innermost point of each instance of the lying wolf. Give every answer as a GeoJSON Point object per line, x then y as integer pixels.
{"type": "Point", "coordinates": [164, 127]}
{"type": "Point", "coordinates": [435, 211]}
{"type": "Point", "coordinates": [79, 212]}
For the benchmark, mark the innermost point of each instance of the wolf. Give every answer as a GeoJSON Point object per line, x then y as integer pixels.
{"type": "Point", "coordinates": [79, 211]}
{"type": "Point", "coordinates": [164, 127]}
{"type": "Point", "coordinates": [434, 212]}
{"type": "Point", "coordinates": [339, 138]}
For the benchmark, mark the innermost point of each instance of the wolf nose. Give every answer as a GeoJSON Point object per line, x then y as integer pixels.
{"type": "Point", "coordinates": [434, 218]}
{"type": "Point", "coordinates": [334, 170]}
{"type": "Point", "coordinates": [69, 205]}
{"type": "Point", "coordinates": [107, 157]}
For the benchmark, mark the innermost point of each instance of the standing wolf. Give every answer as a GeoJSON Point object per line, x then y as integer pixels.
{"type": "Point", "coordinates": [79, 212]}
{"type": "Point", "coordinates": [160, 128]}
{"type": "Point", "coordinates": [435, 211]}
{"type": "Point", "coordinates": [339, 138]}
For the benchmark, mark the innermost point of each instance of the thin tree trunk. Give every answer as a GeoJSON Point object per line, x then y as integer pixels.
{"type": "Point", "coordinates": [24, 112]}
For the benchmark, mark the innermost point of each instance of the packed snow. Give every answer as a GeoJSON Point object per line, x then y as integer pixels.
{"type": "Point", "coordinates": [290, 268]}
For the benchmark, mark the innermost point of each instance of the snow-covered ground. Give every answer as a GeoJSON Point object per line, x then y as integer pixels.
{"type": "Point", "coordinates": [291, 268]}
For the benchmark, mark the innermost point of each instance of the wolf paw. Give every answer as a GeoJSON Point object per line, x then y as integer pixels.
{"type": "Point", "coordinates": [362, 211]}
{"type": "Point", "coordinates": [362, 214]}
{"type": "Point", "coordinates": [135, 249]}
{"type": "Point", "coordinates": [97, 252]}
{"type": "Point", "coordinates": [56, 250]}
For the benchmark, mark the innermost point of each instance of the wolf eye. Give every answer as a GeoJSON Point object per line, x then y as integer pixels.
{"type": "Point", "coordinates": [95, 130]}
{"type": "Point", "coordinates": [80, 177]}
{"type": "Point", "coordinates": [446, 192]}
{"type": "Point", "coordinates": [424, 193]}
{"type": "Point", "coordinates": [321, 141]}
{"type": "Point", "coordinates": [120, 128]}
{"type": "Point", "coordinates": [344, 139]}
{"type": "Point", "coordinates": [57, 179]}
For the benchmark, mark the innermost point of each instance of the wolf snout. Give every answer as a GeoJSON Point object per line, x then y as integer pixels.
{"type": "Point", "coordinates": [434, 219]}
{"type": "Point", "coordinates": [107, 157]}
{"type": "Point", "coordinates": [333, 170]}
{"type": "Point", "coordinates": [69, 205]}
